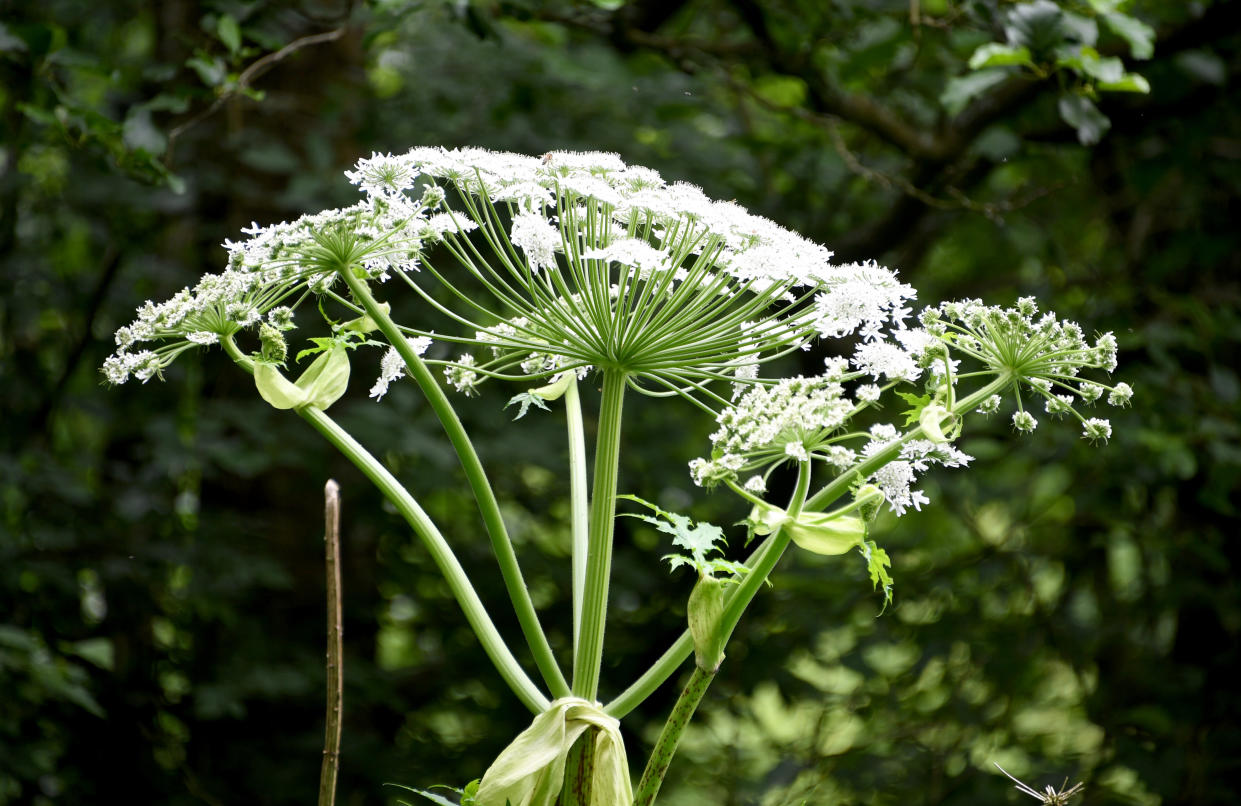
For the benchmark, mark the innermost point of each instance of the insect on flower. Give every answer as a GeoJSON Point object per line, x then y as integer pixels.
{"type": "Point", "coordinates": [1049, 795]}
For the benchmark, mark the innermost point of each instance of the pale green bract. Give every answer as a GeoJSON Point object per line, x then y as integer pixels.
{"type": "Point", "coordinates": [530, 771]}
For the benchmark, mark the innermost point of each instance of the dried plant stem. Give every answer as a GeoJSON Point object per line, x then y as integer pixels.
{"type": "Point", "coordinates": [335, 661]}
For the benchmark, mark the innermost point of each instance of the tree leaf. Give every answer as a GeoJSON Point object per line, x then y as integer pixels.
{"type": "Point", "coordinates": [1139, 35]}
{"type": "Point", "coordinates": [994, 54]}
{"type": "Point", "coordinates": [229, 32]}
{"type": "Point", "coordinates": [1129, 82]}
{"type": "Point", "coordinates": [1037, 26]}
{"type": "Point", "coordinates": [1080, 112]}
{"type": "Point", "coordinates": [963, 89]}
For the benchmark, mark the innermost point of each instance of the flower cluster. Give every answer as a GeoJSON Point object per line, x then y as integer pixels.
{"type": "Point", "coordinates": [274, 266]}
{"type": "Point", "coordinates": [593, 262]}
{"type": "Point", "coordinates": [794, 419]}
{"type": "Point", "coordinates": [1041, 355]}
{"type": "Point", "coordinates": [896, 478]}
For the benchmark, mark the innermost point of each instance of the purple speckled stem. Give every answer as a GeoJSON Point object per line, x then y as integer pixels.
{"type": "Point", "coordinates": [661, 756]}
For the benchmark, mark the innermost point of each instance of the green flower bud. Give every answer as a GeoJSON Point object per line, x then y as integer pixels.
{"type": "Point", "coordinates": [274, 349]}
{"type": "Point", "coordinates": [706, 605]}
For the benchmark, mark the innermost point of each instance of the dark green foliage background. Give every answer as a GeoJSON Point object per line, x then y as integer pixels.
{"type": "Point", "coordinates": [1061, 609]}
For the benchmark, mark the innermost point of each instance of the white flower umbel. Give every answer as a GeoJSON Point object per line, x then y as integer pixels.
{"type": "Point", "coordinates": [792, 419]}
{"type": "Point", "coordinates": [1038, 355]}
{"type": "Point", "coordinates": [270, 273]}
{"type": "Point", "coordinates": [588, 261]}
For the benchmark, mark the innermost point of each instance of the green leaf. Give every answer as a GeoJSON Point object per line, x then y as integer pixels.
{"type": "Point", "coordinates": [1088, 62]}
{"type": "Point", "coordinates": [277, 389]}
{"type": "Point", "coordinates": [212, 72]}
{"type": "Point", "coordinates": [1139, 35]}
{"type": "Point", "coordinates": [364, 323]}
{"type": "Point", "coordinates": [963, 89]}
{"type": "Point", "coordinates": [1083, 29]}
{"type": "Point", "coordinates": [816, 532]}
{"type": "Point", "coordinates": [916, 404]}
{"type": "Point", "coordinates": [229, 32]}
{"type": "Point", "coordinates": [1129, 82]}
{"type": "Point", "coordinates": [526, 399]}
{"type": "Point", "coordinates": [698, 539]}
{"type": "Point", "coordinates": [1080, 112]}
{"type": "Point", "coordinates": [1038, 26]}
{"type": "Point", "coordinates": [994, 54]}
{"type": "Point", "coordinates": [877, 565]}
{"type": "Point", "coordinates": [431, 796]}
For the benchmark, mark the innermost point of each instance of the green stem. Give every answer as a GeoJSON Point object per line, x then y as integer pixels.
{"type": "Point", "coordinates": [841, 484]}
{"type": "Point", "coordinates": [683, 647]}
{"type": "Point", "coordinates": [501, 545]}
{"type": "Point", "coordinates": [670, 736]}
{"type": "Point", "coordinates": [687, 703]}
{"type": "Point", "coordinates": [579, 504]}
{"type": "Point", "coordinates": [458, 581]}
{"type": "Point", "coordinates": [588, 654]}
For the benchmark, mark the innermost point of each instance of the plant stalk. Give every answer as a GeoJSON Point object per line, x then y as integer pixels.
{"type": "Point", "coordinates": [700, 680]}
{"type": "Point", "coordinates": [670, 736]}
{"type": "Point", "coordinates": [588, 654]}
{"type": "Point", "coordinates": [579, 503]}
{"type": "Point", "coordinates": [335, 656]}
{"type": "Point", "coordinates": [488, 507]}
{"type": "Point", "coordinates": [667, 664]}
{"type": "Point", "coordinates": [458, 581]}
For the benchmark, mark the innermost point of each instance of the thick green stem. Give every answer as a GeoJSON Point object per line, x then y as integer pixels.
{"type": "Point", "coordinates": [442, 554]}
{"type": "Point", "coordinates": [670, 736]}
{"type": "Point", "coordinates": [579, 503]}
{"type": "Point", "coordinates": [588, 654]}
{"type": "Point", "coordinates": [501, 545]}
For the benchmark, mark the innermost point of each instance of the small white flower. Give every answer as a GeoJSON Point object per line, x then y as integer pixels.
{"type": "Point", "coordinates": [1096, 430]}
{"type": "Point", "coordinates": [755, 484]}
{"type": "Point", "coordinates": [535, 236]}
{"type": "Point", "coordinates": [1024, 421]}
{"type": "Point", "coordinates": [1120, 395]}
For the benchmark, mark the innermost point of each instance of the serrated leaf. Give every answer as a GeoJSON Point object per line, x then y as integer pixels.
{"type": "Point", "coordinates": [698, 539]}
{"type": "Point", "coordinates": [916, 404]}
{"type": "Point", "coordinates": [994, 54]}
{"type": "Point", "coordinates": [877, 565]}
{"type": "Point", "coordinates": [1139, 35]}
{"type": "Point", "coordinates": [322, 344]}
{"type": "Point", "coordinates": [526, 400]}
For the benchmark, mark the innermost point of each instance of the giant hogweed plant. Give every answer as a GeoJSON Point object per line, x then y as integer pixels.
{"type": "Point", "coordinates": [570, 273]}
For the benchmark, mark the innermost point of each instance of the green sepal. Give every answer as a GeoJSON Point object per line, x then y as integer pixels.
{"type": "Point", "coordinates": [556, 389]}
{"type": "Point", "coordinates": [321, 385]}
{"type": "Point", "coordinates": [931, 419]}
{"type": "Point", "coordinates": [364, 323]}
{"type": "Point", "coordinates": [705, 606]}
{"type": "Point", "coordinates": [530, 771]}
{"type": "Point", "coordinates": [818, 532]}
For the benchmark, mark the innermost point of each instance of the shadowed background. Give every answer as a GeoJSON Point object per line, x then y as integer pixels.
{"type": "Point", "coordinates": [1061, 609]}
